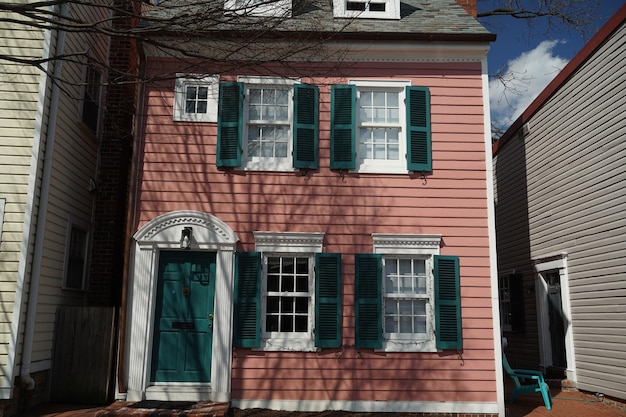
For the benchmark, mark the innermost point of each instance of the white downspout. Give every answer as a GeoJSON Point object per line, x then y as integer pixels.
{"type": "Point", "coordinates": [29, 331]}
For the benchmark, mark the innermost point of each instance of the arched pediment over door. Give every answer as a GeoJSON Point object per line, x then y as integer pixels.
{"type": "Point", "coordinates": [205, 233]}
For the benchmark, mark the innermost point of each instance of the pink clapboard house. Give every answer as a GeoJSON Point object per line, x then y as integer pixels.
{"type": "Point", "coordinates": [315, 232]}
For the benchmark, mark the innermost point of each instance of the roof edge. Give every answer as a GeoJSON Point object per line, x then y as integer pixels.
{"type": "Point", "coordinates": [575, 63]}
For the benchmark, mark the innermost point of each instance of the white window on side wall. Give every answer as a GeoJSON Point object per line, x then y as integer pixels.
{"type": "Point", "coordinates": [76, 252]}
{"type": "Point", "coordinates": [90, 112]}
{"type": "Point", "coordinates": [196, 98]}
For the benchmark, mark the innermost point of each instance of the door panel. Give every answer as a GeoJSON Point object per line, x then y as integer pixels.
{"type": "Point", "coordinates": [183, 326]}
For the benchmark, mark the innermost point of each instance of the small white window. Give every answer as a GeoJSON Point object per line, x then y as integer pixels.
{"type": "Point", "coordinates": [196, 98]}
{"type": "Point", "coordinates": [278, 8]}
{"type": "Point", "coordinates": [408, 292]}
{"type": "Point", "coordinates": [367, 9]}
{"type": "Point", "coordinates": [76, 250]}
{"type": "Point", "coordinates": [268, 118]}
{"type": "Point", "coordinates": [381, 126]}
{"type": "Point", "coordinates": [287, 291]}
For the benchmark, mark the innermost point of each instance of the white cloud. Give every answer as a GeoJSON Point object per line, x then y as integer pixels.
{"type": "Point", "coordinates": [521, 81]}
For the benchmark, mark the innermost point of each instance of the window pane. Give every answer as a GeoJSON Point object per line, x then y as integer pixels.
{"type": "Point", "coordinates": [302, 324]}
{"type": "Point", "coordinates": [273, 304]}
{"type": "Point", "coordinates": [202, 106]}
{"type": "Point", "coordinates": [191, 93]}
{"type": "Point", "coordinates": [287, 305]}
{"type": "Point", "coordinates": [286, 324]}
{"type": "Point", "coordinates": [271, 324]}
{"type": "Point", "coordinates": [288, 284]}
{"type": "Point", "coordinates": [302, 305]}
{"type": "Point", "coordinates": [391, 324]}
{"type": "Point", "coordinates": [254, 96]}
{"type": "Point", "coordinates": [203, 93]}
{"type": "Point", "coordinates": [302, 284]}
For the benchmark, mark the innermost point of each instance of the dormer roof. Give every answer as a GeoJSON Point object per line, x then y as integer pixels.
{"type": "Point", "coordinates": [425, 20]}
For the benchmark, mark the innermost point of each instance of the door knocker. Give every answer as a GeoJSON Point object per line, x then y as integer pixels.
{"type": "Point", "coordinates": [185, 291]}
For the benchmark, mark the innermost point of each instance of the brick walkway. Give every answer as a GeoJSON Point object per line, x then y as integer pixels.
{"type": "Point", "coordinates": [565, 404]}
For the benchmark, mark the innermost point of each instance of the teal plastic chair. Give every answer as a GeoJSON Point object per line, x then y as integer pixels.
{"type": "Point", "coordinates": [527, 381]}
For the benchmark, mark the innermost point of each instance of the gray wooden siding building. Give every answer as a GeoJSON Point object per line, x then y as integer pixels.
{"type": "Point", "coordinates": [560, 198]}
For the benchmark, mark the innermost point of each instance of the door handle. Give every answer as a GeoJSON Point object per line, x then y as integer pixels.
{"type": "Point", "coordinates": [210, 325]}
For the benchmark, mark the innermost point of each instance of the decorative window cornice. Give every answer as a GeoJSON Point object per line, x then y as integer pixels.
{"type": "Point", "coordinates": [310, 242]}
{"type": "Point", "coordinates": [407, 244]}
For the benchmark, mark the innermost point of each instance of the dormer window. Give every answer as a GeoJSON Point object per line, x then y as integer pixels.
{"type": "Point", "coordinates": [367, 9]}
{"type": "Point", "coordinates": [270, 8]}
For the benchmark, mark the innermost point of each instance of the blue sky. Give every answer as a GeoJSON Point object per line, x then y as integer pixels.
{"type": "Point", "coordinates": [531, 58]}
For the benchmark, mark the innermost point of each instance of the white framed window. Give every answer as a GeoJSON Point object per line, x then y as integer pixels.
{"type": "Point", "coordinates": [76, 251]}
{"type": "Point", "coordinates": [90, 112]}
{"type": "Point", "coordinates": [268, 118]}
{"type": "Point", "coordinates": [408, 291]}
{"type": "Point", "coordinates": [276, 8]}
{"type": "Point", "coordinates": [381, 126]}
{"type": "Point", "coordinates": [367, 9]}
{"type": "Point", "coordinates": [288, 289]}
{"type": "Point", "coordinates": [196, 98]}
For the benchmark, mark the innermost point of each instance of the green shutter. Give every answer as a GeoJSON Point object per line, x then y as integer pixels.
{"type": "Point", "coordinates": [248, 299]}
{"type": "Point", "coordinates": [229, 125]}
{"type": "Point", "coordinates": [305, 126]}
{"type": "Point", "coordinates": [419, 154]}
{"type": "Point", "coordinates": [343, 127]}
{"type": "Point", "coordinates": [328, 300]}
{"type": "Point", "coordinates": [368, 301]}
{"type": "Point", "coordinates": [448, 303]}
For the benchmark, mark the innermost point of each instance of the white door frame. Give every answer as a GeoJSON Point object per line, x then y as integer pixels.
{"type": "Point", "coordinates": [543, 265]}
{"type": "Point", "coordinates": [164, 233]}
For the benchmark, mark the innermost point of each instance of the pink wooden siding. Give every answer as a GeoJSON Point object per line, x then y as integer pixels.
{"type": "Point", "coordinates": [179, 173]}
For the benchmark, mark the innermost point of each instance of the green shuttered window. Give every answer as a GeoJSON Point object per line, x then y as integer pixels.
{"type": "Point", "coordinates": [257, 128]}
{"type": "Point", "coordinates": [371, 314]}
{"type": "Point", "coordinates": [282, 309]}
{"type": "Point", "coordinates": [365, 123]}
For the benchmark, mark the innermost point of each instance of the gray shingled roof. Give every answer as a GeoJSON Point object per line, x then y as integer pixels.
{"type": "Point", "coordinates": [420, 19]}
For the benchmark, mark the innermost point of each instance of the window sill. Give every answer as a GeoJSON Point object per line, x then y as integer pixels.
{"type": "Point", "coordinates": [287, 345]}
{"type": "Point", "coordinates": [408, 346]}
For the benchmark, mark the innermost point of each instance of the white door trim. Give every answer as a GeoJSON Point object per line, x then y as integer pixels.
{"type": "Point", "coordinates": [542, 265]}
{"type": "Point", "coordinates": [164, 233]}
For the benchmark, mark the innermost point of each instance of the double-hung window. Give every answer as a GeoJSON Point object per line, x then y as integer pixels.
{"type": "Point", "coordinates": [268, 124]}
{"type": "Point", "coordinates": [288, 294]}
{"type": "Point", "coordinates": [76, 250]}
{"type": "Point", "coordinates": [511, 298]}
{"type": "Point", "coordinates": [90, 115]}
{"type": "Point", "coordinates": [195, 99]}
{"type": "Point", "coordinates": [381, 127]}
{"type": "Point", "coordinates": [407, 295]}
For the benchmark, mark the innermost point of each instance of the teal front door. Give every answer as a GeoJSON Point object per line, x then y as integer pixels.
{"type": "Point", "coordinates": [183, 324]}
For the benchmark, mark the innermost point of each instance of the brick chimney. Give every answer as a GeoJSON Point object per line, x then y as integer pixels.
{"type": "Point", "coordinates": [469, 6]}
